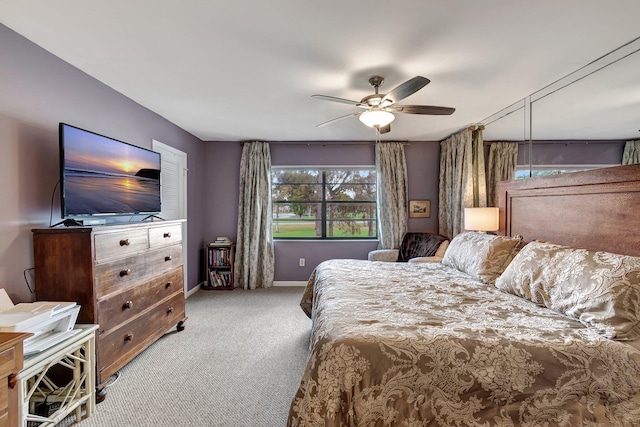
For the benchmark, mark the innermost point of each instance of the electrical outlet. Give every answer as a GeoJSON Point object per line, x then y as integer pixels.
{"type": "Point", "coordinates": [301, 262]}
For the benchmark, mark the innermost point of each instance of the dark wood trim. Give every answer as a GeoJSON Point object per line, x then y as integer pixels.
{"type": "Point", "coordinates": [596, 210]}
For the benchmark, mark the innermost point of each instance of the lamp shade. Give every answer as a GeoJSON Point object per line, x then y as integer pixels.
{"type": "Point", "coordinates": [376, 118]}
{"type": "Point", "coordinates": [481, 219]}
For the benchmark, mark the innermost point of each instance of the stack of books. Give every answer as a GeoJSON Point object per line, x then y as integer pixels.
{"type": "Point", "coordinates": [220, 279]}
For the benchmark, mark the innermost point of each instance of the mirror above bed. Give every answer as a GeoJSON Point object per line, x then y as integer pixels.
{"type": "Point", "coordinates": [579, 122]}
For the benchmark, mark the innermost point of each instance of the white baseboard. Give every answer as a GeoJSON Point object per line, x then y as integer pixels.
{"type": "Point", "coordinates": [289, 283]}
{"type": "Point", "coordinates": [194, 290]}
{"type": "Point", "coordinates": [275, 283]}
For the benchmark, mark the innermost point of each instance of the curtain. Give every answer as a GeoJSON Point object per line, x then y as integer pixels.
{"type": "Point", "coordinates": [391, 172]}
{"type": "Point", "coordinates": [503, 157]}
{"type": "Point", "coordinates": [478, 175]}
{"type": "Point", "coordinates": [631, 154]}
{"type": "Point", "coordinates": [462, 179]}
{"type": "Point", "coordinates": [254, 262]}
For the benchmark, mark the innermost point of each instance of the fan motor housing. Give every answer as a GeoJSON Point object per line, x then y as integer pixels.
{"type": "Point", "coordinates": [376, 81]}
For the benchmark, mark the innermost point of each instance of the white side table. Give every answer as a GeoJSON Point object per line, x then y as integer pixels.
{"type": "Point", "coordinates": [36, 384]}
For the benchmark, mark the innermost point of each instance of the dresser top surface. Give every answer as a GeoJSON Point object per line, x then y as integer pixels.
{"type": "Point", "coordinates": [108, 227]}
{"type": "Point", "coordinates": [9, 339]}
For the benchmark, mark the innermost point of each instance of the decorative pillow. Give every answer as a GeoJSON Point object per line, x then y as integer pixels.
{"type": "Point", "coordinates": [442, 249]}
{"type": "Point", "coordinates": [417, 244]}
{"type": "Point", "coordinates": [482, 256]}
{"type": "Point", "coordinates": [600, 289]}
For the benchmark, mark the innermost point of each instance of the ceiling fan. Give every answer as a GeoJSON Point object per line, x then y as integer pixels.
{"type": "Point", "coordinates": [379, 108]}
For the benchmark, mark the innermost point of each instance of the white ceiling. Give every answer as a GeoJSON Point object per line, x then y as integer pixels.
{"type": "Point", "coordinates": [246, 69]}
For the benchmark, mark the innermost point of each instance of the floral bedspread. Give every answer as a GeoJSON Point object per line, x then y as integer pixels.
{"type": "Point", "coordinates": [396, 344]}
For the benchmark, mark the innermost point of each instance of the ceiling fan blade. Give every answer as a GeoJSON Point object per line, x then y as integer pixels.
{"type": "Point", "coordinates": [337, 119]}
{"type": "Point", "coordinates": [385, 129]}
{"type": "Point", "coordinates": [407, 88]}
{"type": "Point", "coordinates": [422, 109]}
{"type": "Point", "coordinates": [335, 99]}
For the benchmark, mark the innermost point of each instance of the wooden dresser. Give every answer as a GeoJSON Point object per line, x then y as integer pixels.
{"type": "Point", "coordinates": [10, 364]}
{"type": "Point", "coordinates": [127, 278]}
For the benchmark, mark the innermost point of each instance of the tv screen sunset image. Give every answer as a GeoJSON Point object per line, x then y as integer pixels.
{"type": "Point", "coordinates": [105, 176]}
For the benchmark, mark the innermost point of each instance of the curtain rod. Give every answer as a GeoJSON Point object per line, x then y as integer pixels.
{"type": "Point", "coordinates": [328, 144]}
{"type": "Point", "coordinates": [558, 142]}
{"type": "Point", "coordinates": [471, 128]}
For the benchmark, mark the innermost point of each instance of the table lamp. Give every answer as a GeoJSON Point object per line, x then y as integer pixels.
{"type": "Point", "coordinates": [481, 219]}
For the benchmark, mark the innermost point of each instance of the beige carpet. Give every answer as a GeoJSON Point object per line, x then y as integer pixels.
{"type": "Point", "coordinates": [237, 363]}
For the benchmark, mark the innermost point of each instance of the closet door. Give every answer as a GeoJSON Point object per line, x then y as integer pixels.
{"type": "Point", "coordinates": [173, 185]}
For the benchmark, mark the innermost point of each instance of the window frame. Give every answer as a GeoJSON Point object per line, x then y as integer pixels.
{"type": "Point", "coordinates": [324, 203]}
{"type": "Point", "coordinates": [559, 169]}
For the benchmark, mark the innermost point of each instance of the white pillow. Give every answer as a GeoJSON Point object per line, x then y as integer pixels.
{"type": "Point", "coordinates": [482, 256]}
{"type": "Point", "coordinates": [600, 289]}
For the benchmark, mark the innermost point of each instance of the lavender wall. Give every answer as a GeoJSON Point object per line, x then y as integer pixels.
{"type": "Point", "coordinates": [221, 189]}
{"type": "Point", "coordinates": [38, 91]}
{"type": "Point", "coordinates": [221, 207]}
{"type": "Point", "coordinates": [423, 168]}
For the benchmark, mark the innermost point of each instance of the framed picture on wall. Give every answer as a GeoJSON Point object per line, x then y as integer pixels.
{"type": "Point", "coordinates": [419, 208]}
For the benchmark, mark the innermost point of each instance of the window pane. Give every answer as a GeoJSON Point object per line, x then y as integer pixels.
{"type": "Point", "coordinates": [522, 172]}
{"type": "Point", "coordinates": [297, 220]}
{"type": "Point", "coordinates": [296, 192]}
{"type": "Point", "coordinates": [351, 229]}
{"type": "Point", "coordinates": [351, 175]}
{"type": "Point", "coordinates": [349, 211]}
{"type": "Point", "coordinates": [351, 192]}
{"type": "Point", "coordinates": [287, 211]}
{"type": "Point", "coordinates": [300, 229]}
{"type": "Point", "coordinates": [351, 185]}
{"type": "Point", "coordinates": [351, 220]}
{"type": "Point", "coordinates": [296, 185]}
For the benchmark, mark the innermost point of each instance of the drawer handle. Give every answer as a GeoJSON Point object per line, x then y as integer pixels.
{"type": "Point", "coordinates": [126, 272]}
{"type": "Point", "coordinates": [125, 242]}
{"type": "Point", "coordinates": [167, 285]}
{"type": "Point", "coordinates": [128, 304]}
{"type": "Point", "coordinates": [170, 310]}
{"type": "Point", "coordinates": [128, 337]}
{"type": "Point", "coordinates": [13, 380]}
{"type": "Point", "coordinates": [167, 235]}
{"type": "Point", "coordinates": [167, 258]}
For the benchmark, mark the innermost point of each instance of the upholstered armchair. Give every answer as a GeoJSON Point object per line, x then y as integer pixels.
{"type": "Point", "coordinates": [415, 247]}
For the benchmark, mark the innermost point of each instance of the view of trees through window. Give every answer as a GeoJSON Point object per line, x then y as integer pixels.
{"type": "Point", "coordinates": [522, 172]}
{"type": "Point", "coordinates": [323, 203]}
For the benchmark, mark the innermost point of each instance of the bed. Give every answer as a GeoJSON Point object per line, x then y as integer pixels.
{"type": "Point", "coordinates": [496, 334]}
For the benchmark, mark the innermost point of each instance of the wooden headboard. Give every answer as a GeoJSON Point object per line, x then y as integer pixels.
{"type": "Point", "coordinates": [597, 209]}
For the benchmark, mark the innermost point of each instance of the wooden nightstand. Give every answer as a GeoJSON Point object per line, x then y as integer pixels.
{"type": "Point", "coordinates": [10, 365]}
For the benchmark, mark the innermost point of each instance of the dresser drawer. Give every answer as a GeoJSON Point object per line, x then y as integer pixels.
{"type": "Point", "coordinates": [118, 275]}
{"type": "Point", "coordinates": [120, 243]}
{"type": "Point", "coordinates": [165, 235]}
{"type": "Point", "coordinates": [4, 400]}
{"type": "Point", "coordinates": [121, 307]}
{"type": "Point", "coordinates": [8, 361]}
{"type": "Point", "coordinates": [118, 347]}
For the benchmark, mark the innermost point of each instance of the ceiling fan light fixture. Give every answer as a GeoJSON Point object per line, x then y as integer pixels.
{"type": "Point", "coordinates": [376, 118]}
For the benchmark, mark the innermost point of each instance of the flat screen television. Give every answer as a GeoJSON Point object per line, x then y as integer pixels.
{"type": "Point", "coordinates": [103, 176]}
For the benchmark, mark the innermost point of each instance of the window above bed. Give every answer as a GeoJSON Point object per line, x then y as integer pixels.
{"type": "Point", "coordinates": [522, 171]}
{"type": "Point", "coordinates": [324, 203]}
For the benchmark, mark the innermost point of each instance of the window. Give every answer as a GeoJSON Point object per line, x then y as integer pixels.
{"type": "Point", "coordinates": [322, 203]}
{"type": "Point", "coordinates": [522, 171]}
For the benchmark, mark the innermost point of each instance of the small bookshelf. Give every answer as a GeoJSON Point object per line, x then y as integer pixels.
{"type": "Point", "coordinates": [219, 265]}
